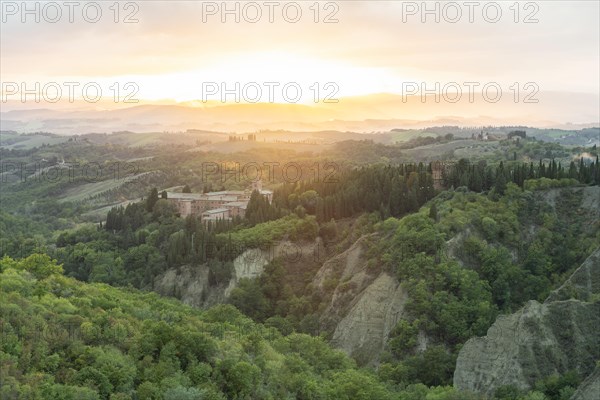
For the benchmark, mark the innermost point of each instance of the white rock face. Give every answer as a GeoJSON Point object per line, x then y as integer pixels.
{"type": "Point", "coordinates": [365, 304]}
{"type": "Point", "coordinates": [190, 285]}
{"type": "Point", "coordinates": [492, 361]}
{"type": "Point", "coordinates": [347, 276]}
{"type": "Point", "coordinates": [364, 331]}
{"type": "Point", "coordinates": [539, 340]}
{"type": "Point", "coordinates": [343, 266]}
{"type": "Point", "coordinates": [249, 265]}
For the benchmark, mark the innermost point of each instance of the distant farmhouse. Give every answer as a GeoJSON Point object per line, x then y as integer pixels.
{"type": "Point", "coordinates": [213, 206]}
{"type": "Point", "coordinates": [486, 137]}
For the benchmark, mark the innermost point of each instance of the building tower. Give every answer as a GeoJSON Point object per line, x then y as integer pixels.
{"type": "Point", "coordinates": [257, 185]}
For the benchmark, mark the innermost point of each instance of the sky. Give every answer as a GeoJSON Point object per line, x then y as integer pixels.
{"type": "Point", "coordinates": [193, 51]}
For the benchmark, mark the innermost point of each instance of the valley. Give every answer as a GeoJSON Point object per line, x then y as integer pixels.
{"type": "Point", "coordinates": [431, 264]}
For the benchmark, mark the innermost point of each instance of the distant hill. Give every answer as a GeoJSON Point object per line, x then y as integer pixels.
{"type": "Point", "coordinates": [364, 114]}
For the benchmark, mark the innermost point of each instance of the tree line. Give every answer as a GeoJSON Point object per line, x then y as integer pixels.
{"type": "Point", "coordinates": [390, 190]}
{"type": "Point", "coordinates": [481, 177]}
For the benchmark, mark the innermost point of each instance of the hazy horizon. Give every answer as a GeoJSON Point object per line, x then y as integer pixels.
{"type": "Point", "coordinates": [536, 63]}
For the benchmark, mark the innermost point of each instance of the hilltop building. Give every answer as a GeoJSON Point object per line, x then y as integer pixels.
{"type": "Point", "coordinates": [212, 206]}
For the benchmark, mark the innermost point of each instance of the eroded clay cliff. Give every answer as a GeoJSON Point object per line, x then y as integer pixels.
{"type": "Point", "coordinates": [539, 340]}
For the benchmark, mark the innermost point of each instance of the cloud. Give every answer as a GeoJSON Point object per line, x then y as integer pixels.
{"type": "Point", "coordinates": [560, 52]}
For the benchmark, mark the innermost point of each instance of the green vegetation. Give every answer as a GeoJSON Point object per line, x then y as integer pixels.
{"type": "Point", "coordinates": [291, 227]}
{"type": "Point", "coordinates": [494, 240]}
{"type": "Point", "coordinates": [505, 250]}
{"type": "Point", "coordinates": [493, 264]}
{"type": "Point", "coordinates": [390, 190]}
{"type": "Point", "coordinates": [481, 177]}
{"type": "Point", "coordinates": [63, 339]}
{"type": "Point", "coordinates": [554, 387]}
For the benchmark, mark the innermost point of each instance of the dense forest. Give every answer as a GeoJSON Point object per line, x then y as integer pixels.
{"type": "Point", "coordinates": [449, 303]}
{"type": "Point", "coordinates": [67, 340]}
{"type": "Point", "coordinates": [468, 240]}
{"type": "Point", "coordinates": [63, 339]}
{"type": "Point", "coordinates": [142, 240]}
{"type": "Point", "coordinates": [480, 177]}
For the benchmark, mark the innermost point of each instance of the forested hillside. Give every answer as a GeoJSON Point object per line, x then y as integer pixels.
{"type": "Point", "coordinates": [398, 256]}
{"type": "Point", "coordinates": [63, 339]}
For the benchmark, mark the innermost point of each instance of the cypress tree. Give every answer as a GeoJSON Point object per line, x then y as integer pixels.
{"type": "Point", "coordinates": [152, 199]}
